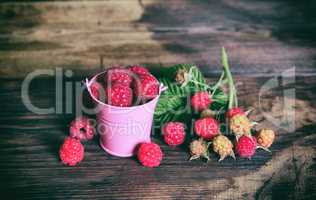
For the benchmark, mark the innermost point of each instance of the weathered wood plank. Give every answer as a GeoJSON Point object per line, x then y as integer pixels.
{"type": "Point", "coordinates": [260, 37]}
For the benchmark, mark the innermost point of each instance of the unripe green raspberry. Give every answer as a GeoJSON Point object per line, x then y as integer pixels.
{"type": "Point", "coordinates": [223, 146]}
{"type": "Point", "coordinates": [265, 137]}
{"type": "Point", "coordinates": [199, 148]}
{"type": "Point", "coordinates": [240, 125]}
{"type": "Point", "coordinates": [208, 113]}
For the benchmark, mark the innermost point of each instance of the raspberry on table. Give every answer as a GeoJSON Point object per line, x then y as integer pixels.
{"type": "Point", "coordinates": [207, 128]}
{"type": "Point", "coordinates": [246, 146]}
{"type": "Point", "coordinates": [200, 101]}
{"type": "Point", "coordinates": [198, 149]}
{"type": "Point", "coordinates": [240, 125]}
{"type": "Point", "coordinates": [174, 133]}
{"type": "Point", "coordinates": [149, 154]}
{"type": "Point", "coordinates": [71, 151]}
{"type": "Point", "coordinates": [265, 137]}
{"type": "Point", "coordinates": [81, 128]}
{"type": "Point", "coordinates": [223, 146]}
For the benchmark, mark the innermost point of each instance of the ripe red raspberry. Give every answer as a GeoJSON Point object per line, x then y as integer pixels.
{"type": "Point", "coordinates": [119, 95]}
{"type": "Point", "coordinates": [96, 89]}
{"type": "Point", "coordinates": [234, 111]}
{"type": "Point", "coordinates": [71, 152]}
{"type": "Point", "coordinates": [246, 146]}
{"type": "Point", "coordinates": [82, 129]}
{"type": "Point", "coordinates": [149, 154]}
{"type": "Point", "coordinates": [139, 70]}
{"type": "Point", "coordinates": [118, 75]}
{"type": "Point", "coordinates": [207, 128]}
{"type": "Point", "coordinates": [200, 101]}
{"type": "Point", "coordinates": [146, 87]}
{"type": "Point", "coordinates": [174, 133]}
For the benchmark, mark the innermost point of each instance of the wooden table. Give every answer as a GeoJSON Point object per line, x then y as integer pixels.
{"type": "Point", "coordinates": [263, 39]}
{"type": "Point", "coordinates": [30, 167]}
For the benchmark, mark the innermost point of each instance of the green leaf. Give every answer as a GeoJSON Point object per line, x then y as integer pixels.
{"type": "Point", "coordinates": [172, 103]}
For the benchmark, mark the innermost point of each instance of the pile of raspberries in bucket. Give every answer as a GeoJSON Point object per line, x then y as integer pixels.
{"type": "Point", "coordinates": [125, 87]}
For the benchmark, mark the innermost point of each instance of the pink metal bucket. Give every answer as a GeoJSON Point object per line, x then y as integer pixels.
{"type": "Point", "coordinates": [121, 129]}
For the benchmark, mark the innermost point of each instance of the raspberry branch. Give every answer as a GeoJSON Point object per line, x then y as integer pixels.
{"type": "Point", "coordinates": [232, 96]}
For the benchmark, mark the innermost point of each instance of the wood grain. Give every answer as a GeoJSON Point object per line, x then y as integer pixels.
{"type": "Point", "coordinates": [30, 167]}
{"type": "Point", "coordinates": [261, 37]}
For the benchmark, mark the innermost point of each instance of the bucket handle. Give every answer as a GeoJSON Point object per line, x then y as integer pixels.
{"type": "Point", "coordinates": [88, 83]}
{"type": "Point", "coordinates": [162, 88]}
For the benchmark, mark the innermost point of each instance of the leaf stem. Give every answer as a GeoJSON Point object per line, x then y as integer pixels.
{"type": "Point", "coordinates": [232, 90]}
{"type": "Point", "coordinates": [202, 84]}
{"type": "Point", "coordinates": [219, 83]}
